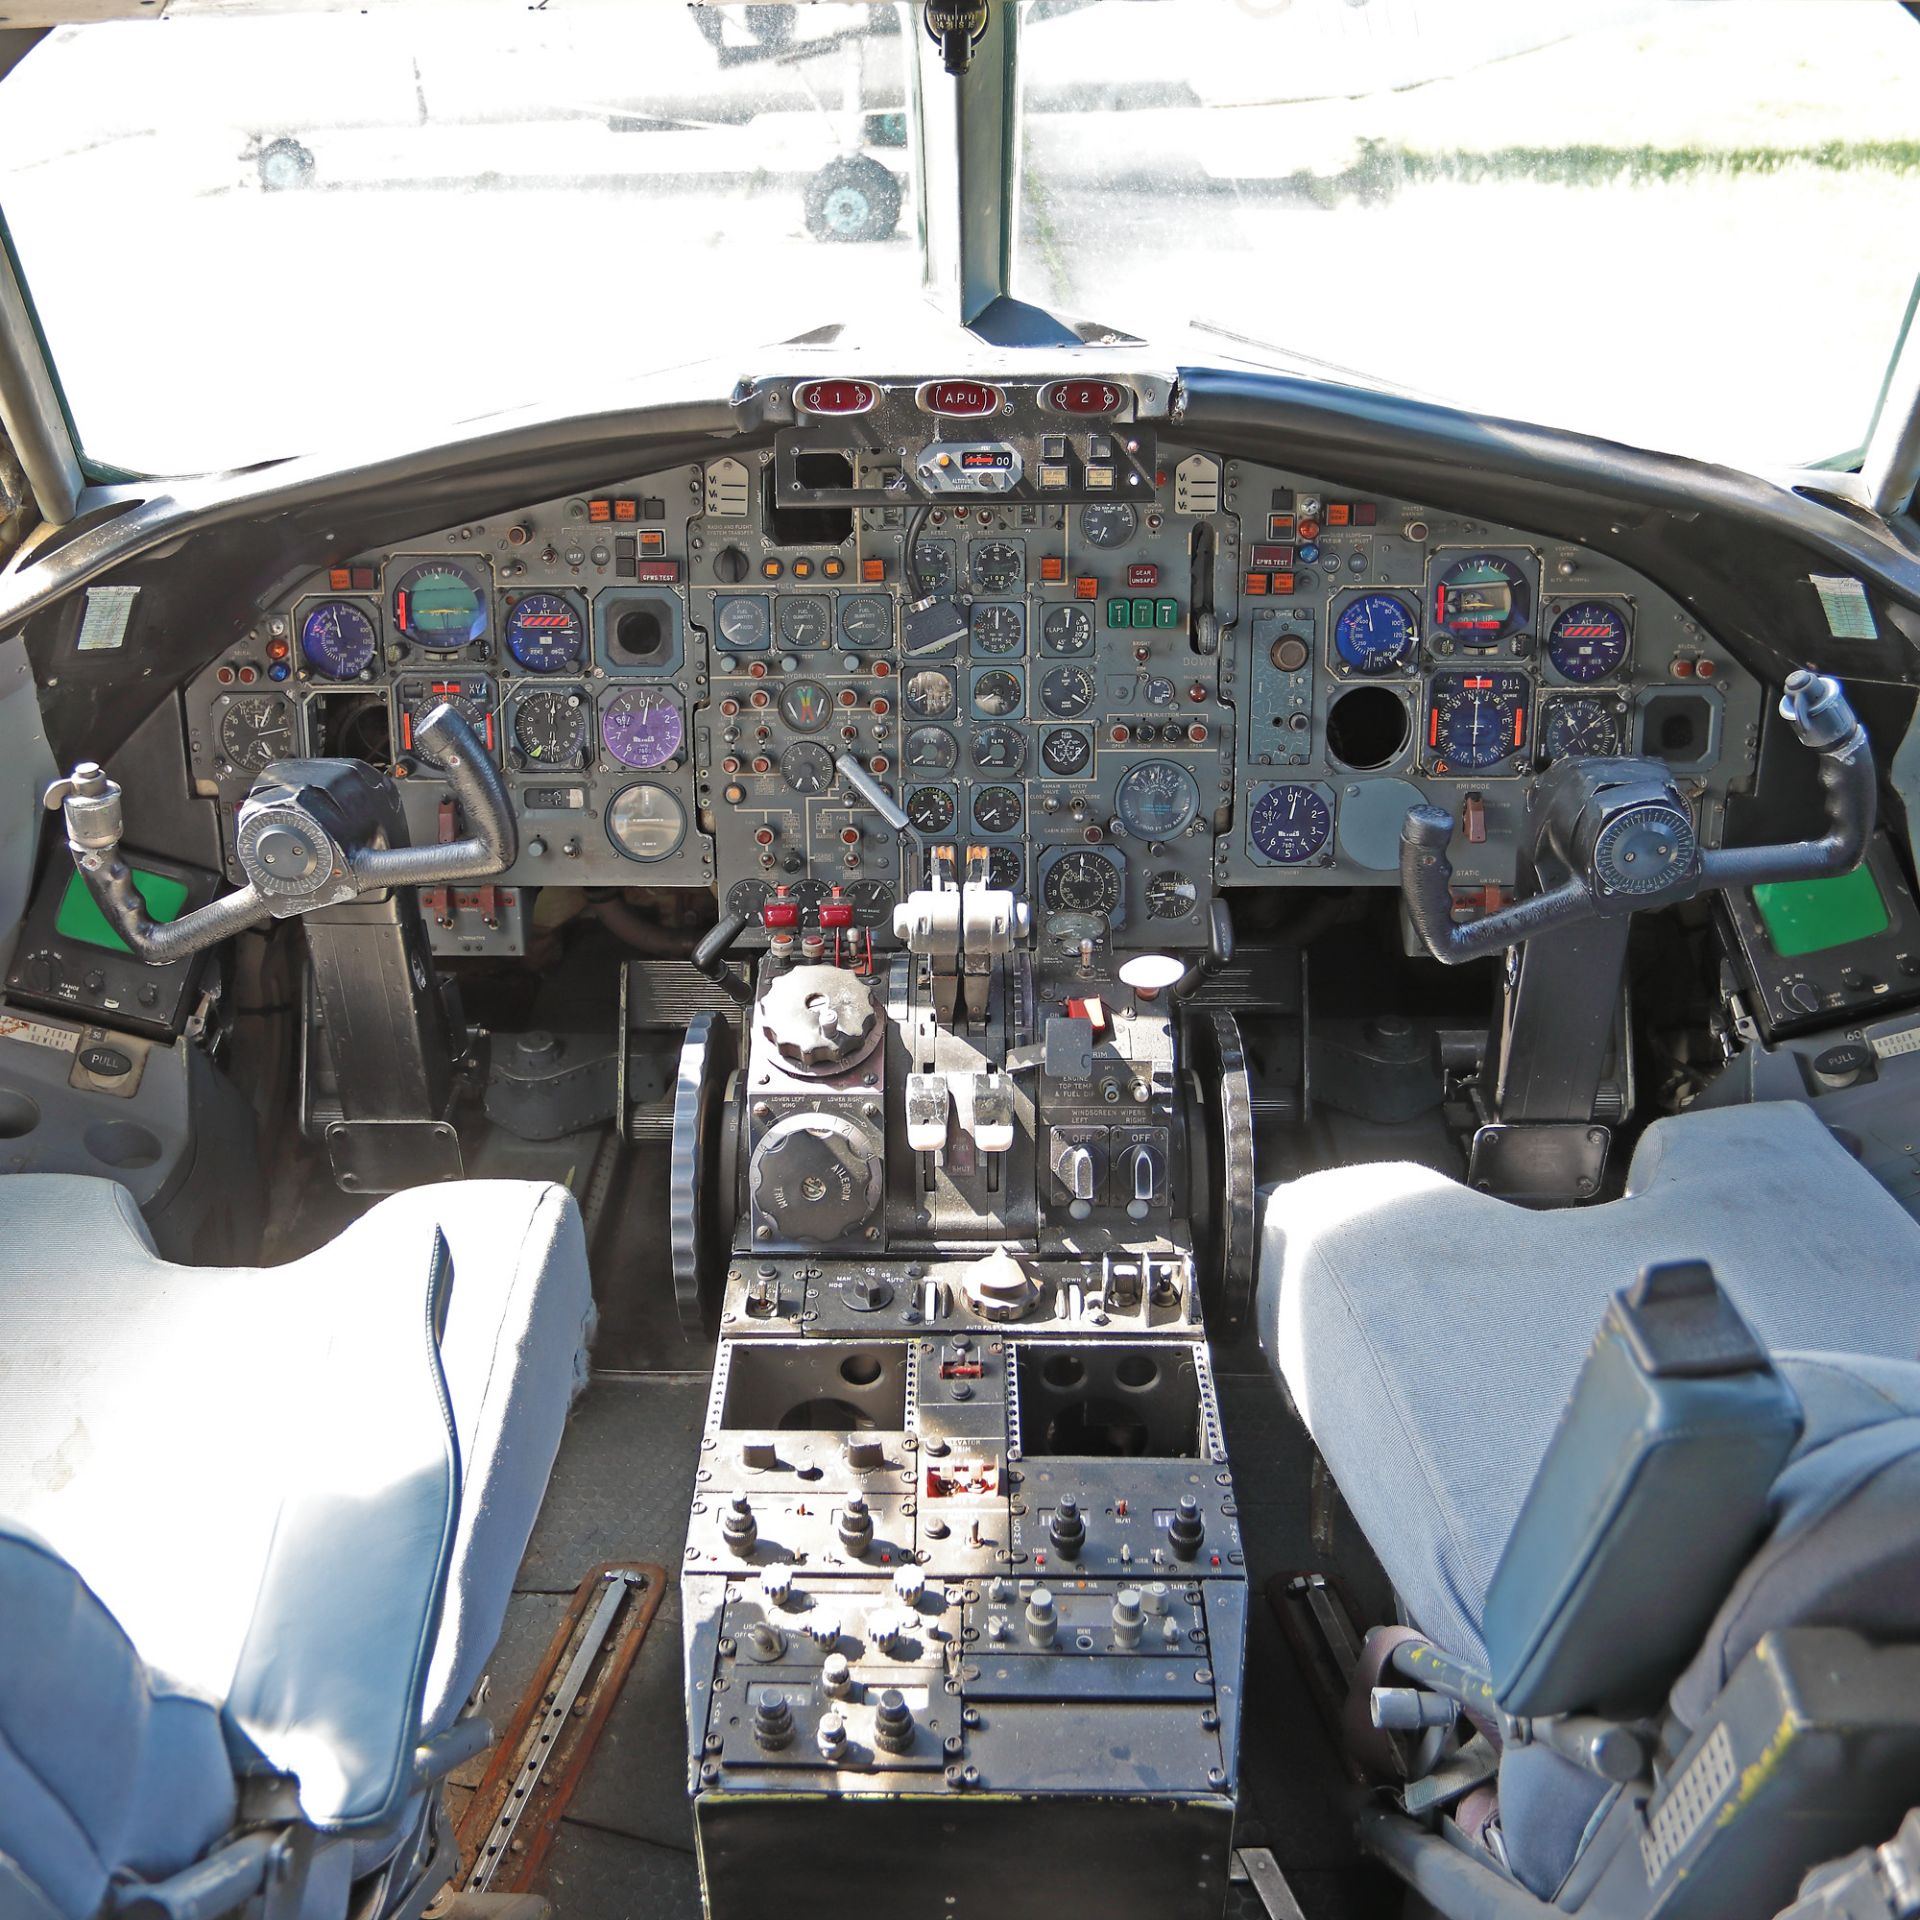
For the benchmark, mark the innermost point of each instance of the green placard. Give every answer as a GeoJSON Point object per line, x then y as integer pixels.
{"type": "Point", "coordinates": [1810, 916]}
{"type": "Point", "coordinates": [80, 919]}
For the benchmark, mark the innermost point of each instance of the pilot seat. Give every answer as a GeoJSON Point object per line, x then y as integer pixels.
{"type": "Point", "coordinates": [1619, 1554]}
{"type": "Point", "coordinates": [258, 1529]}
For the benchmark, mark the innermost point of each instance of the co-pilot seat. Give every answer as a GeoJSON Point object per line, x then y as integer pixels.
{"type": "Point", "coordinates": [260, 1522]}
{"type": "Point", "coordinates": [1430, 1337]}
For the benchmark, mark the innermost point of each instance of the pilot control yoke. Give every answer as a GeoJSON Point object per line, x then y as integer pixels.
{"type": "Point", "coordinates": [310, 834]}
{"type": "Point", "coordinates": [1613, 836]}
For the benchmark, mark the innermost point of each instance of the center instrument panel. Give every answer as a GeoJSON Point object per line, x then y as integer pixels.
{"type": "Point", "coordinates": [1134, 671]}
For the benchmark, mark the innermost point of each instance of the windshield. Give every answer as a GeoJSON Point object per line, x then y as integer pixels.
{"type": "Point", "coordinates": [1692, 225]}
{"type": "Point", "coordinates": [247, 237]}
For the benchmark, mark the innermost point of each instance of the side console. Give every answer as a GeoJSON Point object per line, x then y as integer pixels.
{"type": "Point", "coordinates": [965, 1597]}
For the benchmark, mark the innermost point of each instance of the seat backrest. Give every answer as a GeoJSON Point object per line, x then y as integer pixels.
{"type": "Point", "coordinates": [103, 1768]}
{"type": "Point", "coordinates": [1650, 1497]}
{"type": "Point", "coordinates": [1842, 1547]}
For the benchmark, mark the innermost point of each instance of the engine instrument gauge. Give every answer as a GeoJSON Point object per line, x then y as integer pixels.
{"type": "Point", "coordinates": [1065, 750]}
{"type": "Point", "coordinates": [545, 633]}
{"type": "Point", "coordinates": [1156, 799]}
{"type": "Point", "coordinates": [743, 622]}
{"type": "Point", "coordinates": [999, 749]}
{"type": "Point", "coordinates": [1482, 599]}
{"type": "Point", "coordinates": [931, 809]}
{"type": "Point", "coordinates": [550, 726]}
{"type": "Point", "coordinates": [646, 822]}
{"type": "Point", "coordinates": [1375, 633]}
{"type": "Point", "coordinates": [1171, 895]}
{"type": "Point", "coordinates": [1587, 641]}
{"type": "Point", "coordinates": [1108, 523]}
{"type": "Point", "coordinates": [807, 767]}
{"type": "Point", "coordinates": [996, 693]}
{"type": "Point", "coordinates": [338, 639]}
{"type": "Point", "coordinates": [1289, 823]}
{"type": "Point", "coordinates": [933, 563]}
{"type": "Point", "coordinates": [866, 620]}
{"type": "Point", "coordinates": [996, 810]}
{"type": "Point", "coordinates": [998, 629]}
{"type": "Point", "coordinates": [472, 700]}
{"type": "Point", "coordinates": [872, 902]}
{"type": "Point", "coordinates": [1644, 849]}
{"type": "Point", "coordinates": [256, 730]}
{"type": "Point", "coordinates": [1475, 720]}
{"type": "Point", "coordinates": [805, 705]}
{"type": "Point", "coordinates": [747, 897]}
{"type": "Point", "coordinates": [811, 895]}
{"type": "Point", "coordinates": [1067, 630]}
{"type": "Point", "coordinates": [1004, 868]}
{"type": "Point", "coordinates": [1066, 692]}
{"type": "Point", "coordinates": [929, 693]}
{"type": "Point", "coordinates": [931, 750]}
{"type": "Point", "coordinates": [441, 604]}
{"type": "Point", "coordinates": [1580, 729]}
{"type": "Point", "coordinates": [997, 565]}
{"type": "Point", "coordinates": [641, 727]}
{"type": "Point", "coordinates": [1082, 881]}
{"type": "Point", "coordinates": [804, 622]}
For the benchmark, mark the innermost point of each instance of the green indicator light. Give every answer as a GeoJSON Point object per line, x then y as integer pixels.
{"type": "Point", "coordinates": [1143, 613]}
{"type": "Point", "coordinates": [1119, 614]}
{"type": "Point", "coordinates": [1811, 916]}
{"type": "Point", "coordinates": [1166, 613]}
{"type": "Point", "coordinates": [79, 918]}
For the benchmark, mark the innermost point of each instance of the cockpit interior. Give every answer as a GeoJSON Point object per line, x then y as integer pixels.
{"type": "Point", "coordinates": [841, 1065]}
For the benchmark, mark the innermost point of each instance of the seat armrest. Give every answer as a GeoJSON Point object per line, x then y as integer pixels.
{"type": "Point", "coordinates": [329, 1682]}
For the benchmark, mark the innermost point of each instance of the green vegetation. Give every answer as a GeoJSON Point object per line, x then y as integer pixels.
{"type": "Point", "coordinates": [1384, 167]}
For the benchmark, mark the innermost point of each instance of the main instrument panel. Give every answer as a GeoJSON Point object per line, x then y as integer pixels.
{"type": "Point", "coordinates": [1135, 671]}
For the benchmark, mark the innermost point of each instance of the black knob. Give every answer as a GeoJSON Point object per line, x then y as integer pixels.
{"type": "Point", "coordinates": [1068, 1529]}
{"type": "Point", "coordinates": [772, 1721]}
{"type": "Point", "coordinates": [1188, 1529]}
{"type": "Point", "coordinates": [730, 565]}
{"type": "Point", "coordinates": [893, 1722]}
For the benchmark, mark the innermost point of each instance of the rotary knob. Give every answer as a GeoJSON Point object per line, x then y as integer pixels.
{"type": "Point", "coordinates": [815, 1177]}
{"type": "Point", "coordinates": [819, 1020]}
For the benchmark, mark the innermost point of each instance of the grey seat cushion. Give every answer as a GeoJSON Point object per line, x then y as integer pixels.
{"type": "Point", "coordinates": [1429, 1334]}
{"type": "Point", "coordinates": [161, 1421]}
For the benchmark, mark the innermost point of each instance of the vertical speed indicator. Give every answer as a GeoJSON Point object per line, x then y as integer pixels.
{"type": "Point", "coordinates": [1289, 823]}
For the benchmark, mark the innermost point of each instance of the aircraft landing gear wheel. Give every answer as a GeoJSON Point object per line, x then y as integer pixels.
{"type": "Point", "coordinates": [853, 199]}
{"type": "Point", "coordinates": [700, 1190]}
{"type": "Point", "coordinates": [284, 165]}
{"type": "Point", "coordinates": [1222, 1167]}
